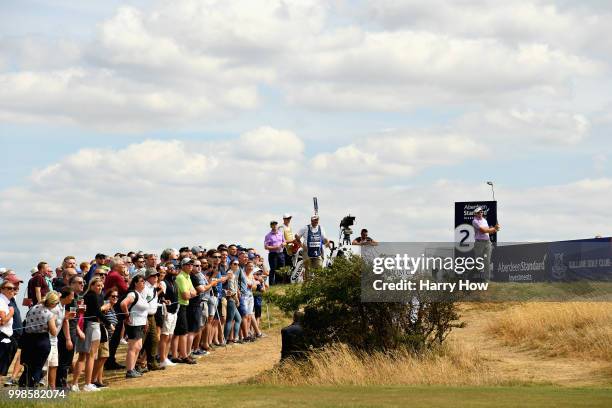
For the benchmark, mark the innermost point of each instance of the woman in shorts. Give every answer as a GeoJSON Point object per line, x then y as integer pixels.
{"type": "Point", "coordinates": [136, 308]}
{"type": "Point", "coordinates": [88, 347]}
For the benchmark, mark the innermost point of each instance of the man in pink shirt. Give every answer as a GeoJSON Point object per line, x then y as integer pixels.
{"type": "Point", "coordinates": [274, 242]}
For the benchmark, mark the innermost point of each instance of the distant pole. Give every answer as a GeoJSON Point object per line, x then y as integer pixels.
{"type": "Point", "coordinates": [492, 189]}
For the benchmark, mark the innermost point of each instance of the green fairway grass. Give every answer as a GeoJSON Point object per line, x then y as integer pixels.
{"type": "Point", "coordinates": [392, 396]}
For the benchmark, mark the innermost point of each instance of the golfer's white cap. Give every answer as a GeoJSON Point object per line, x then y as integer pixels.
{"type": "Point", "coordinates": [286, 215]}
{"type": "Point", "coordinates": [477, 210]}
{"type": "Point", "coordinates": [314, 217]}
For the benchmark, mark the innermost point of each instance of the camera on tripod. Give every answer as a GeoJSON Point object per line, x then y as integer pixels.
{"type": "Point", "coordinates": [345, 229]}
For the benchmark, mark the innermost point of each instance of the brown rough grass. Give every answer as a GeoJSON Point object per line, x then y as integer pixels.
{"type": "Point", "coordinates": [581, 329]}
{"type": "Point", "coordinates": [452, 364]}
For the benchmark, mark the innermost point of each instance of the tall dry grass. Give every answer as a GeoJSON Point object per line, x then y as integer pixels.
{"type": "Point", "coordinates": [451, 364]}
{"type": "Point", "coordinates": [582, 329]}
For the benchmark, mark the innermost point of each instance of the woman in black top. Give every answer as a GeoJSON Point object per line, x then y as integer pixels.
{"type": "Point", "coordinates": [88, 349]}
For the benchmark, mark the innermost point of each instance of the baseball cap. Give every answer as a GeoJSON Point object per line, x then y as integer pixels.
{"type": "Point", "coordinates": [477, 210]}
{"type": "Point", "coordinates": [251, 256]}
{"type": "Point", "coordinates": [3, 270]}
{"type": "Point", "coordinates": [286, 215]}
{"type": "Point", "coordinates": [151, 272]}
{"type": "Point", "coordinates": [273, 223]}
{"type": "Point", "coordinates": [257, 270]}
{"type": "Point", "coordinates": [33, 270]}
{"type": "Point", "coordinates": [186, 261]}
{"type": "Point", "coordinates": [197, 249]}
{"type": "Point", "coordinates": [314, 217]}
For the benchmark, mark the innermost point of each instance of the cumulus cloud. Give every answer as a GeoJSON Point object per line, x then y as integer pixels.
{"type": "Point", "coordinates": [186, 63]}
{"type": "Point", "coordinates": [397, 155]}
{"type": "Point", "coordinates": [544, 128]}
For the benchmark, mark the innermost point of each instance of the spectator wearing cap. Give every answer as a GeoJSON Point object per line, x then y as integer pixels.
{"type": "Point", "coordinates": [116, 279]}
{"type": "Point", "coordinates": [198, 251]}
{"type": "Point", "coordinates": [288, 249]}
{"type": "Point", "coordinates": [312, 237]}
{"type": "Point", "coordinates": [151, 337]}
{"type": "Point", "coordinates": [37, 285]}
{"type": "Point", "coordinates": [100, 260]}
{"type": "Point", "coordinates": [186, 291]}
{"type": "Point", "coordinates": [482, 244]}
{"type": "Point", "coordinates": [194, 309]}
{"type": "Point", "coordinates": [274, 242]}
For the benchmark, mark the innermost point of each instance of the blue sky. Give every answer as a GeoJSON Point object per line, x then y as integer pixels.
{"type": "Point", "coordinates": [390, 110]}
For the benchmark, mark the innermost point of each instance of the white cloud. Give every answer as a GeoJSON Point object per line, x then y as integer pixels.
{"type": "Point", "coordinates": [397, 155]}
{"type": "Point", "coordinates": [186, 63]}
{"type": "Point", "coordinates": [544, 128]}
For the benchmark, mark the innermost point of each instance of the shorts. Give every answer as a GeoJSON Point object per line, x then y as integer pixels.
{"type": "Point", "coordinates": [194, 318]}
{"type": "Point", "coordinates": [181, 321]}
{"type": "Point", "coordinates": [53, 359]}
{"type": "Point", "coordinates": [92, 333]}
{"type": "Point", "coordinates": [249, 303]}
{"type": "Point", "coordinates": [212, 306]}
{"type": "Point", "coordinates": [221, 308]}
{"type": "Point", "coordinates": [134, 332]}
{"type": "Point", "coordinates": [103, 351]}
{"type": "Point", "coordinates": [257, 310]}
{"type": "Point", "coordinates": [169, 324]}
{"type": "Point", "coordinates": [242, 307]}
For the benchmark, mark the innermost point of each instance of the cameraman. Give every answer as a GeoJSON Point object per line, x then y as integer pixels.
{"type": "Point", "coordinates": [363, 239]}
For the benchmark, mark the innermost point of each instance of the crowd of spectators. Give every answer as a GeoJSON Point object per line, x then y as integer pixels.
{"type": "Point", "coordinates": [168, 309]}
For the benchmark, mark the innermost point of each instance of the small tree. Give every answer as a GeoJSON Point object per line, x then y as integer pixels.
{"type": "Point", "coordinates": [334, 312]}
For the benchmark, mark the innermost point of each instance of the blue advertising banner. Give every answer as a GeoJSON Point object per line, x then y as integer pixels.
{"type": "Point", "coordinates": [559, 261]}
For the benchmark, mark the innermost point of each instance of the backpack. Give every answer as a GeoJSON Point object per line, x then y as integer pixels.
{"type": "Point", "coordinates": [135, 300]}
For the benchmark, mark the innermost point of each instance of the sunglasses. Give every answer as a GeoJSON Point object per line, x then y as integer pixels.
{"type": "Point", "coordinates": [114, 297]}
{"type": "Point", "coordinates": [9, 288]}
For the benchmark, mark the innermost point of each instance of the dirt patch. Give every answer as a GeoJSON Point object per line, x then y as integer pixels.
{"type": "Point", "coordinates": [225, 365]}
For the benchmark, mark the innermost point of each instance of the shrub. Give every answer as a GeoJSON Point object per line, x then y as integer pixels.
{"type": "Point", "coordinates": [334, 312]}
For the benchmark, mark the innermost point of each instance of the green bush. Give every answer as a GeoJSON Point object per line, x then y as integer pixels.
{"type": "Point", "coordinates": [334, 312]}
